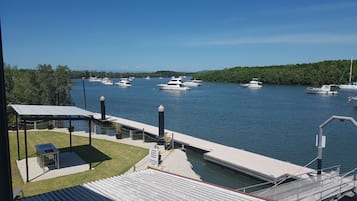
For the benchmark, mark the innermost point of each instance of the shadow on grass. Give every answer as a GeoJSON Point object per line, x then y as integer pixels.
{"type": "Point", "coordinates": [88, 153]}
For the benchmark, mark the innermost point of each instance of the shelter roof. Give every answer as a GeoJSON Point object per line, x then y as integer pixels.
{"type": "Point", "coordinates": [146, 185]}
{"type": "Point", "coordinates": [50, 110]}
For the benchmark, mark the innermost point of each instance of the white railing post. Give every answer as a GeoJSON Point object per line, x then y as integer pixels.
{"type": "Point", "coordinates": [354, 178]}
{"type": "Point", "coordinates": [340, 189]}
{"type": "Point", "coordinates": [321, 185]}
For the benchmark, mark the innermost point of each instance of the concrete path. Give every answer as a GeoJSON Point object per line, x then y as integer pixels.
{"type": "Point", "coordinates": [70, 163]}
{"type": "Point", "coordinates": [174, 161]}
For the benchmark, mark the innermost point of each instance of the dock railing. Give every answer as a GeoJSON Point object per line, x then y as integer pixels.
{"type": "Point", "coordinates": [330, 184]}
{"type": "Point", "coordinates": [259, 188]}
{"type": "Point", "coordinates": [333, 186]}
{"type": "Point", "coordinates": [280, 180]}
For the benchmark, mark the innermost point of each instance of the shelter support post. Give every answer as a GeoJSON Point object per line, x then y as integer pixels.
{"type": "Point", "coordinates": [90, 137]}
{"type": "Point", "coordinates": [26, 154]}
{"type": "Point", "coordinates": [90, 131]}
{"type": "Point", "coordinates": [70, 135]}
{"type": "Point", "coordinates": [17, 137]}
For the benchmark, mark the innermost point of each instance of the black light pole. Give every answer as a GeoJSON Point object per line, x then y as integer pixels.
{"type": "Point", "coordinates": [84, 94]}
{"type": "Point", "coordinates": [5, 173]}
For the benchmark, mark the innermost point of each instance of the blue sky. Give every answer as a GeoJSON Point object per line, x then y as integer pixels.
{"type": "Point", "coordinates": [179, 35]}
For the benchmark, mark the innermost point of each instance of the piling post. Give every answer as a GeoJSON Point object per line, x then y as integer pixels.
{"type": "Point", "coordinates": [102, 107]}
{"type": "Point", "coordinates": [161, 111]}
{"type": "Point", "coordinates": [84, 94]}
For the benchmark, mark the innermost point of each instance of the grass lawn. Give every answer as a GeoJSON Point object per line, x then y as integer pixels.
{"type": "Point", "coordinates": [118, 159]}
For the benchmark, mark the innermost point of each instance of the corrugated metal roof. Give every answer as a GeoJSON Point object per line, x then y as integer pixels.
{"type": "Point", "coordinates": [145, 185]}
{"type": "Point", "coordinates": [50, 110]}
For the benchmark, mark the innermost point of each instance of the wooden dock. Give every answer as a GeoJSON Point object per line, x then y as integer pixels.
{"type": "Point", "coordinates": [256, 165]}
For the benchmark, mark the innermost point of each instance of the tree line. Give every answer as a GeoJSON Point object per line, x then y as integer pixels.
{"type": "Point", "coordinates": [315, 74]}
{"type": "Point", "coordinates": [101, 74]}
{"type": "Point", "coordinates": [44, 85]}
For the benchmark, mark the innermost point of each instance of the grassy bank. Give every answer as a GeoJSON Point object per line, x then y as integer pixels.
{"type": "Point", "coordinates": [107, 158]}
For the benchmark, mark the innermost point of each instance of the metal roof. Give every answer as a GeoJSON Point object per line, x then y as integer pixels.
{"type": "Point", "coordinates": [50, 110]}
{"type": "Point", "coordinates": [146, 185]}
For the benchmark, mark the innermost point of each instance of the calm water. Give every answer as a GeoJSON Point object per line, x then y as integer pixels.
{"type": "Point", "coordinates": [276, 121]}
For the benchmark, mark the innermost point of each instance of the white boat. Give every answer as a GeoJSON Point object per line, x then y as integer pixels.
{"type": "Point", "coordinates": [351, 85]}
{"type": "Point", "coordinates": [254, 84]}
{"type": "Point", "coordinates": [124, 82]}
{"type": "Point", "coordinates": [197, 81]}
{"type": "Point", "coordinates": [107, 81]}
{"type": "Point", "coordinates": [330, 89]}
{"type": "Point", "coordinates": [94, 79]}
{"type": "Point", "coordinates": [353, 99]}
{"type": "Point", "coordinates": [191, 83]}
{"type": "Point", "coordinates": [174, 84]}
{"type": "Point", "coordinates": [147, 77]}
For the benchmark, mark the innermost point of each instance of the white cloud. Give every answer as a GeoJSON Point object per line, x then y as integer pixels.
{"type": "Point", "coordinates": [281, 39]}
{"type": "Point", "coordinates": [332, 6]}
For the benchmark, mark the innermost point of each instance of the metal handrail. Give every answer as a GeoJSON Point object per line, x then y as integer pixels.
{"type": "Point", "coordinates": [303, 186]}
{"type": "Point", "coordinates": [341, 178]}
{"type": "Point", "coordinates": [336, 190]}
{"type": "Point", "coordinates": [276, 183]}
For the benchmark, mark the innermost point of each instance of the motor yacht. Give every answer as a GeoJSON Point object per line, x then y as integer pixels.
{"type": "Point", "coordinates": [94, 79]}
{"type": "Point", "coordinates": [124, 82]}
{"type": "Point", "coordinates": [191, 83]}
{"type": "Point", "coordinates": [107, 81]}
{"type": "Point", "coordinates": [254, 84]}
{"type": "Point", "coordinates": [174, 84]}
{"type": "Point", "coordinates": [324, 90]}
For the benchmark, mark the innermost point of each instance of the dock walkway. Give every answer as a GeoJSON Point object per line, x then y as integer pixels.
{"type": "Point", "coordinates": [256, 165]}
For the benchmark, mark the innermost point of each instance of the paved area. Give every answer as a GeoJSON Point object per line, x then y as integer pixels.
{"type": "Point", "coordinates": [69, 162]}
{"type": "Point", "coordinates": [174, 161]}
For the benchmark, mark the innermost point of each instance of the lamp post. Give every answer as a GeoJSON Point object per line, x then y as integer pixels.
{"type": "Point", "coordinates": [161, 111]}
{"type": "Point", "coordinates": [321, 139]}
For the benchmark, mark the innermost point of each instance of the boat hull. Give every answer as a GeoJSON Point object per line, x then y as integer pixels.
{"type": "Point", "coordinates": [311, 90]}
{"type": "Point", "coordinates": [172, 87]}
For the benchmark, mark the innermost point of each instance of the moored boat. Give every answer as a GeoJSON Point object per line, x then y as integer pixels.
{"type": "Point", "coordinates": [351, 85]}
{"type": "Point", "coordinates": [353, 99]}
{"type": "Point", "coordinates": [174, 84]}
{"type": "Point", "coordinates": [253, 84]}
{"type": "Point", "coordinates": [94, 79]}
{"type": "Point", "coordinates": [191, 83]}
{"type": "Point", "coordinates": [107, 81]}
{"type": "Point", "coordinates": [124, 82]}
{"type": "Point", "coordinates": [329, 89]}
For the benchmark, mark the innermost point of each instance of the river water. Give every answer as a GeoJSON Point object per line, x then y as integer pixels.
{"type": "Point", "coordinates": [276, 121]}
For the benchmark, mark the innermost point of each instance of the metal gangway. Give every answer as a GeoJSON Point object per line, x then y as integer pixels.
{"type": "Point", "coordinates": [330, 185]}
